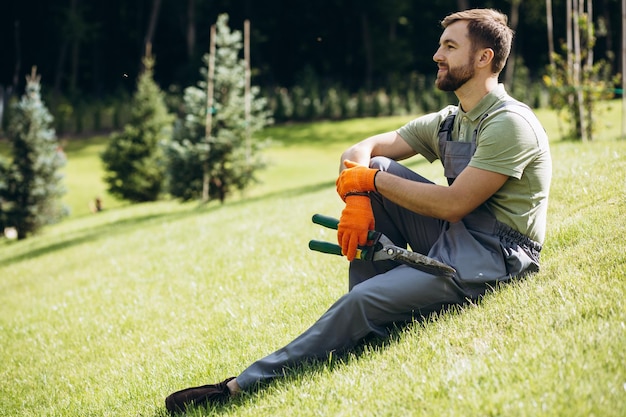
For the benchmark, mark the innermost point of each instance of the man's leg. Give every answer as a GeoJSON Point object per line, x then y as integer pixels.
{"type": "Point", "coordinates": [381, 292]}
{"type": "Point", "coordinates": [395, 296]}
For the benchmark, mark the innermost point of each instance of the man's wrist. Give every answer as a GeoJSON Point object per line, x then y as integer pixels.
{"type": "Point", "coordinates": [374, 180]}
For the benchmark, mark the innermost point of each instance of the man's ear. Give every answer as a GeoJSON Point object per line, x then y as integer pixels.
{"type": "Point", "coordinates": [485, 57]}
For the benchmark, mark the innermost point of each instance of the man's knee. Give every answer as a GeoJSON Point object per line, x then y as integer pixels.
{"type": "Point", "coordinates": [380, 162]}
{"type": "Point", "coordinates": [396, 168]}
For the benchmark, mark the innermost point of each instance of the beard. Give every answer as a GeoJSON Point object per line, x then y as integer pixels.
{"type": "Point", "coordinates": [454, 78]}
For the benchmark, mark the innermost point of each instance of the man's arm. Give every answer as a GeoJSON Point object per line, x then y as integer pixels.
{"type": "Point", "coordinates": [470, 189]}
{"type": "Point", "coordinates": [388, 144]}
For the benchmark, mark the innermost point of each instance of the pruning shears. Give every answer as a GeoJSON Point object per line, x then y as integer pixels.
{"type": "Point", "coordinates": [379, 248]}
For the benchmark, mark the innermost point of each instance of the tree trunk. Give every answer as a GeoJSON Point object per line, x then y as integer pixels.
{"type": "Point", "coordinates": [550, 27]}
{"type": "Point", "coordinates": [18, 57]}
{"type": "Point", "coordinates": [576, 72]}
{"type": "Point", "coordinates": [58, 76]}
{"type": "Point", "coordinates": [569, 42]}
{"type": "Point", "coordinates": [75, 57]}
{"type": "Point", "coordinates": [590, 34]}
{"type": "Point", "coordinates": [247, 98]}
{"type": "Point", "coordinates": [571, 97]}
{"type": "Point", "coordinates": [606, 14]}
{"type": "Point", "coordinates": [154, 19]}
{"type": "Point", "coordinates": [462, 4]}
{"type": "Point", "coordinates": [2, 101]}
{"type": "Point", "coordinates": [206, 177]}
{"type": "Point", "coordinates": [623, 69]}
{"type": "Point", "coordinates": [74, 52]}
{"type": "Point", "coordinates": [191, 28]}
{"type": "Point", "coordinates": [6, 93]}
{"type": "Point", "coordinates": [369, 56]}
{"type": "Point", "coordinates": [513, 23]}
{"type": "Point", "coordinates": [588, 69]}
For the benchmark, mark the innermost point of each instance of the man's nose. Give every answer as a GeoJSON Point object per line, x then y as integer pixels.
{"type": "Point", "coordinates": [437, 56]}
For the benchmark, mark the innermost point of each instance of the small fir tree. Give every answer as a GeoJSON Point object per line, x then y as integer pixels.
{"type": "Point", "coordinates": [227, 157]}
{"type": "Point", "coordinates": [133, 159]}
{"type": "Point", "coordinates": [31, 190]}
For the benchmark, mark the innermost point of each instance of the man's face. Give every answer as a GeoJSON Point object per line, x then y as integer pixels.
{"type": "Point", "coordinates": [454, 58]}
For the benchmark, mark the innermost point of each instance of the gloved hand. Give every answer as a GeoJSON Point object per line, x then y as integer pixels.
{"type": "Point", "coordinates": [357, 219]}
{"type": "Point", "coordinates": [355, 179]}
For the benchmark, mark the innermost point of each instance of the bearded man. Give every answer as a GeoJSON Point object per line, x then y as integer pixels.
{"type": "Point", "coordinates": [488, 222]}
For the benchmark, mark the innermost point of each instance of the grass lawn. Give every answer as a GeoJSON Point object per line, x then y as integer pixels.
{"type": "Point", "coordinates": [105, 315]}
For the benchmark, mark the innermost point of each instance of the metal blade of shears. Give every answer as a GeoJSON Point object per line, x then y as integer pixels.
{"type": "Point", "coordinates": [381, 248]}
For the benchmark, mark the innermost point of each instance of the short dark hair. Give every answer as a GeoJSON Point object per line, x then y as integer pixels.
{"type": "Point", "coordinates": [487, 28]}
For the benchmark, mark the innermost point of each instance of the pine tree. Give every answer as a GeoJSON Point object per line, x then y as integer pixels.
{"type": "Point", "coordinates": [227, 157]}
{"type": "Point", "coordinates": [31, 192]}
{"type": "Point", "coordinates": [134, 160]}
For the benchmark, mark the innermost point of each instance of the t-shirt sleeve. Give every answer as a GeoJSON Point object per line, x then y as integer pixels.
{"type": "Point", "coordinates": [422, 133]}
{"type": "Point", "coordinates": [506, 144]}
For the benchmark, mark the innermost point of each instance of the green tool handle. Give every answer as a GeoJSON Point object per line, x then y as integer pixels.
{"type": "Point", "coordinates": [333, 223]}
{"type": "Point", "coordinates": [325, 247]}
{"type": "Point", "coordinates": [326, 221]}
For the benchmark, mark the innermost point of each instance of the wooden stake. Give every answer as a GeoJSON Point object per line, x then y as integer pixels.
{"type": "Point", "coordinates": [210, 82]}
{"type": "Point", "coordinates": [623, 69]}
{"type": "Point", "coordinates": [247, 98]}
{"type": "Point", "coordinates": [209, 114]}
{"type": "Point", "coordinates": [576, 69]}
{"type": "Point", "coordinates": [550, 27]}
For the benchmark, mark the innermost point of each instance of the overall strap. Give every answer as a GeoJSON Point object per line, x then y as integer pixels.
{"type": "Point", "coordinates": [445, 135]}
{"type": "Point", "coordinates": [445, 131]}
{"type": "Point", "coordinates": [453, 164]}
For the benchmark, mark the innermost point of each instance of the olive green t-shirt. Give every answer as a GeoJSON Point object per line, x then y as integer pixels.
{"type": "Point", "coordinates": [510, 141]}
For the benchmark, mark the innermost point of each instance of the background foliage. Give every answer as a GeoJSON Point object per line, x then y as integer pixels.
{"type": "Point", "coordinates": [94, 49]}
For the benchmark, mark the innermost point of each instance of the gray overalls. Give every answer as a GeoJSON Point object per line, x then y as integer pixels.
{"type": "Point", "coordinates": [481, 249]}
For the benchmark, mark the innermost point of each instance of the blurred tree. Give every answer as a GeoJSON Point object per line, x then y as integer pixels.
{"type": "Point", "coordinates": [576, 80]}
{"type": "Point", "coordinates": [375, 44]}
{"type": "Point", "coordinates": [133, 158]}
{"type": "Point", "coordinates": [221, 153]}
{"type": "Point", "coordinates": [31, 190]}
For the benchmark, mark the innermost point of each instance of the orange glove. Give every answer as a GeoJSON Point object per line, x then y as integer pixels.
{"type": "Point", "coordinates": [355, 179]}
{"type": "Point", "coordinates": [357, 219]}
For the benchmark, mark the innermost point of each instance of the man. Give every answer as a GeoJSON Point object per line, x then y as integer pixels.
{"type": "Point", "coordinates": [488, 222]}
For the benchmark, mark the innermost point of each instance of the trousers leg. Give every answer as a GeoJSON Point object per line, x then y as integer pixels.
{"type": "Point", "coordinates": [398, 295]}
{"type": "Point", "coordinates": [381, 293]}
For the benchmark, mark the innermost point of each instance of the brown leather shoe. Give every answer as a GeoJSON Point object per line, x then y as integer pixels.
{"type": "Point", "coordinates": [211, 394]}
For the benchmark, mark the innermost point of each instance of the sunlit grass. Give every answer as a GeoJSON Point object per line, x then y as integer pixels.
{"type": "Point", "coordinates": [105, 315]}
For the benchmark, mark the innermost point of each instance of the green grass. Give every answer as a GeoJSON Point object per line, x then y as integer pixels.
{"type": "Point", "coordinates": [105, 315]}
